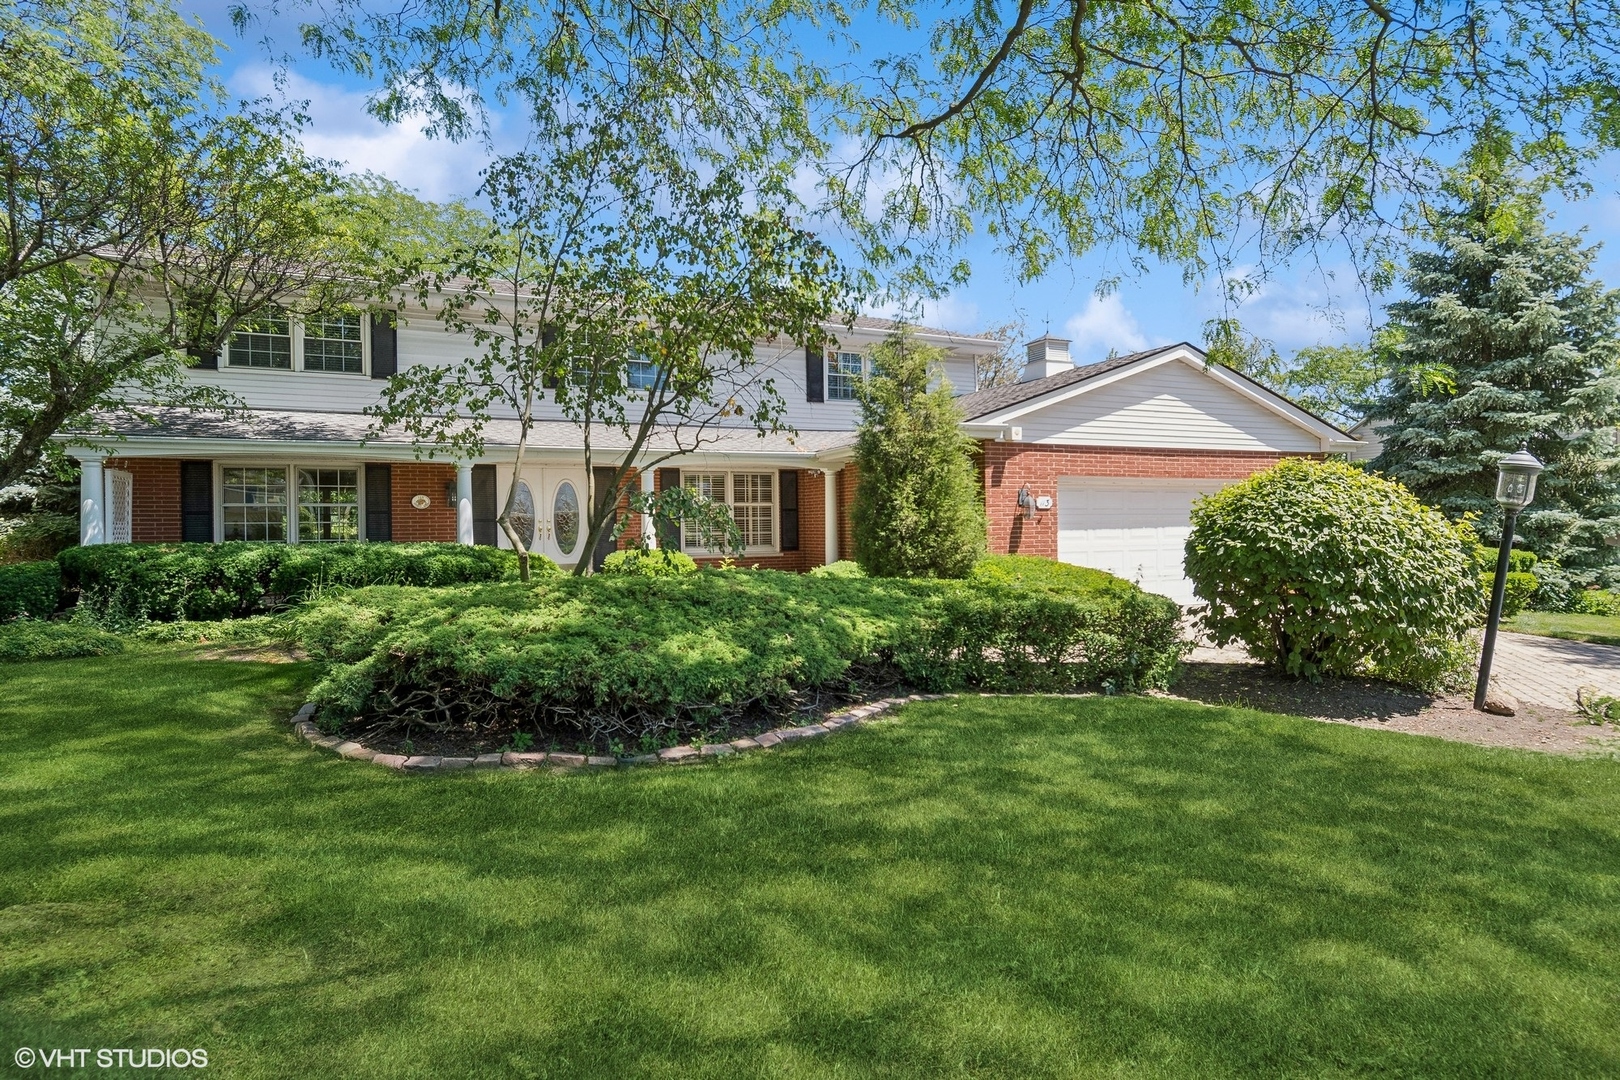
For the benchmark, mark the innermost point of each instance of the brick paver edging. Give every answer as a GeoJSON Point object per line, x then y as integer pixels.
{"type": "Point", "coordinates": [305, 728]}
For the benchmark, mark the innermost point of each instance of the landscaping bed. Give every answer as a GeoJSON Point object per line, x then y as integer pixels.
{"type": "Point", "coordinates": [626, 664]}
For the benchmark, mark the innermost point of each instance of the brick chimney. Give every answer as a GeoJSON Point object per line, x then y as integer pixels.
{"type": "Point", "coordinates": [1046, 356]}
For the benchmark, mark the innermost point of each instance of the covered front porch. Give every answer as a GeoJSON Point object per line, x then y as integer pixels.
{"type": "Point", "coordinates": [316, 478]}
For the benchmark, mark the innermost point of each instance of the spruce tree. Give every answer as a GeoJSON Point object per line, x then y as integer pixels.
{"type": "Point", "coordinates": [1528, 344]}
{"type": "Point", "coordinates": [917, 509]}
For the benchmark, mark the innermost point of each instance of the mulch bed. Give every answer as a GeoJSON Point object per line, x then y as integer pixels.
{"type": "Point", "coordinates": [1217, 678]}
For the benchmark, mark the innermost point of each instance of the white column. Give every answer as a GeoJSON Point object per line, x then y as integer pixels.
{"type": "Point", "coordinates": [829, 476]}
{"type": "Point", "coordinates": [649, 529]}
{"type": "Point", "coordinates": [92, 498]}
{"type": "Point", "coordinates": [464, 515]}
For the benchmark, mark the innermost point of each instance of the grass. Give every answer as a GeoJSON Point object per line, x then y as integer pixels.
{"type": "Point", "coordinates": [1003, 887]}
{"type": "Point", "coordinates": [1599, 629]}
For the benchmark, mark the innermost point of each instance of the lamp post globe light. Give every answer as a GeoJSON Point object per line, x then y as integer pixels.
{"type": "Point", "coordinates": [1515, 488]}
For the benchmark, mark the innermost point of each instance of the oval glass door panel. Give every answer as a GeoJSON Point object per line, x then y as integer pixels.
{"type": "Point", "coordinates": [522, 516]}
{"type": "Point", "coordinates": [565, 517]}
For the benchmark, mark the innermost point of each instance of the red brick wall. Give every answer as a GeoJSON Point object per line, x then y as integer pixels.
{"type": "Point", "coordinates": [1008, 466]}
{"type": "Point", "coordinates": [848, 478]}
{"type": "Point", "coordinates": [155, 500]}
{"type": "Point", "coordinates": [438, 521]}
{"type": "Point", "coordinates": [812, 531]}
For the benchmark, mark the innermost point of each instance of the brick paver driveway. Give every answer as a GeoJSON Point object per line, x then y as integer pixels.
{"type": "Point", "coordinates": [1548, 671]}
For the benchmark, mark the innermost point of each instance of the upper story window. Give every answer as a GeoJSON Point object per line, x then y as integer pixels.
{"type": "Point", "coordinates": [641, 374]}
{"type": "Point", "coordinates": [845, 372]}
{"type": "Point", "coordinates": [333, 343]}
{"type": "Point", "coordinates": [265, 342]}
{"type": "Point", "coordinates": [274, 340]}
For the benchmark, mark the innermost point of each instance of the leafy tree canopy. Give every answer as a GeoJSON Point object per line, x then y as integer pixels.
{"type": "Point", "coordinates": [1178, 131]}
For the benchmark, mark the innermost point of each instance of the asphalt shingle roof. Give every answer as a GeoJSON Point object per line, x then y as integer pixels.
{"type": "Point", "coordinates": [332, 427]}
{"type": "Point", "coordinates": [985, 402]}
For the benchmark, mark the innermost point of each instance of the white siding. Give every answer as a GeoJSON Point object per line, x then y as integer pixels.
{"type": "Point", "coordinates": [423, 340]}
{"type": "Point", "coordinates": [1173, 405]}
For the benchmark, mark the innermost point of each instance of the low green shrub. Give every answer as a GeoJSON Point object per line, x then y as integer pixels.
{"type": "Point", "coordinates": [1516, 596]}
{"type": "Point", "coordinates": [199, 582]}
{"type": "Point", "coordinates": [841, 568]}
{"type": "Point", "coordinates": [1029, 571]}
{"type": "Point", "coordinates": [659, 562]}
{"type": "Point", "coordinates": [29, 589]}
{"type": "Point", "coordinates": [1598, 602]}
{"type": "Point", "coordinates": [620, 656]}
{"type": "Point", "coordinates": [1321, 568]}
{"type": "Point", "coordinates": [31, 639]}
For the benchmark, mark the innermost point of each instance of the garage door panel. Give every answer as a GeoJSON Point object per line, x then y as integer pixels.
{"type": "Point", "coordinates": [1135, 529]}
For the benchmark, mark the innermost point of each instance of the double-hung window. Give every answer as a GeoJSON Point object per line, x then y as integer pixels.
{"type": "Point", "coordinates": [845, 370]}
{"type": "Point", "coordinates": [263, 342]}
{"type": "Point", "coordinates": [750, 496]}
{"type": "Point", "coordinates": [640, 374]}
{"type": "Point", "coordinates": [333, 343]}
{"type": "Point", "coordinates": [323, 505]}
{"type": "Point", "coordinates": [274, 340]}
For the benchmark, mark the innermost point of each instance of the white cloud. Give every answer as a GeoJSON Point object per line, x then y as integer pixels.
{"type": "Point", "coordinates": [342, 130]}
{"type": "Point", "coordinates": [1103, 326]}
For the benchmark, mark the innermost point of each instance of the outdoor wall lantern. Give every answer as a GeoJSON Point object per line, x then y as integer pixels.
{"type": "Point", "coordinates": [1515, 488]}
{"type": "Point", "coordinates": [1026, 501]}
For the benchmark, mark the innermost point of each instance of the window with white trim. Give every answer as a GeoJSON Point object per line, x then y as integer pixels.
{"type": "Point", "coordinates": [333, 343]}
{"type": "Point", "coordinates": [752, 500]}
{"type": "Point", "coordinates": [640, 374]}
{"type": "Point", "coordinates": [328, 506]}
{"type": "Point", "coordinates": [276, 341]}
{"type": "Point", "coordinates": [845, 371]}
{"type": "Point", "coordinates": [262, 342]}
{"type": "Point", "coordinates": [253, 503]}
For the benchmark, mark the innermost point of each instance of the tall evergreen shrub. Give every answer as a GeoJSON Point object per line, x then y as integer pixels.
{"type": "Point", "coordinates": [918, 511]}
{"type": "Point", "coordinates": [1531, 344]}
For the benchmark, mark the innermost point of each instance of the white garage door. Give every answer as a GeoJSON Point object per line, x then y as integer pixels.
{"type": "Point", "coordinates": [1136, 529]}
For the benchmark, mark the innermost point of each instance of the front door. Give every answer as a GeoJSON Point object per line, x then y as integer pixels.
{"type": "Point", "coordinates": [551, 513]}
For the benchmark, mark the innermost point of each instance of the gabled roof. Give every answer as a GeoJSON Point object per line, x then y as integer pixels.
{"type": "Point", "coordinates": [985, 402]}
{"type": "Point", "coordinates": [1004, 403]}
{"type": "Point", "coordinates": [869, 322]}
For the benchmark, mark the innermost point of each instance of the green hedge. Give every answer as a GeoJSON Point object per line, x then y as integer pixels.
{"type": "Point", "coordinates": [616, 656]}
{"type": "Point", "coordinates": [659, 562]}
{"type": "Point", "coordinates": [165, 582]}
{"type": "Point", "coordinates": [30, 639]}
{"type": "Point", "coordinates": [31, 589]}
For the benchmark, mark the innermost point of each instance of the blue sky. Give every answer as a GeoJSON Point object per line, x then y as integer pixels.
{"type": "Point", "coordinates": [1303, 305]}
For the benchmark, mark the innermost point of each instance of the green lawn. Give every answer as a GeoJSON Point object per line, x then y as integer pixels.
{"type": "Point", "coordinates": [988, 888]}
{"type": "Point", "coordinates": [1602, 629]}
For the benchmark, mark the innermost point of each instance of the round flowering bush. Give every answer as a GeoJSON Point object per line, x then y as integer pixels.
{"type": "Point", "coordinates": [1320, 568]}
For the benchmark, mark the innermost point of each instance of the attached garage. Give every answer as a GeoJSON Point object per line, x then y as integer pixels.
{"type": "Point", "coordinates": [1135, 529]}
{"type": "Point", "coordinates": [1100, 465]}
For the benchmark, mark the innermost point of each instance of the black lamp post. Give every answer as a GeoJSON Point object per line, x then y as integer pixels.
{"type": "Point", "coordinates": [1515, 487]}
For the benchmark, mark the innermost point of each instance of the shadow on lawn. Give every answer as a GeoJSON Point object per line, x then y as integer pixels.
{"type": "Point", "coordinates": [988, 887]}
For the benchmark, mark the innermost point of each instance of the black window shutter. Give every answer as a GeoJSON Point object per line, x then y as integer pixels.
{"type": "Point", "coordinates": [606, 544]}
{"type": "Point", "coordinates": [384, 345]}
{"type": "Point", "coordinates": [483, 500]}
{"type": "Point", "coordinates": [379, 502]}
{"type": "Point", "coordinates": [787, 491]}
{"type": "Point", "coordinates": [815, 374]}
{"type": "Point", "coordinates": [197, 502]}
{"type": "Point", "coordinates": [669, 533]}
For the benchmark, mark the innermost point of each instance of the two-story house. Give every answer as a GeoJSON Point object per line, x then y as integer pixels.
{"type": "Point", "coordinates": [1096, 465]}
